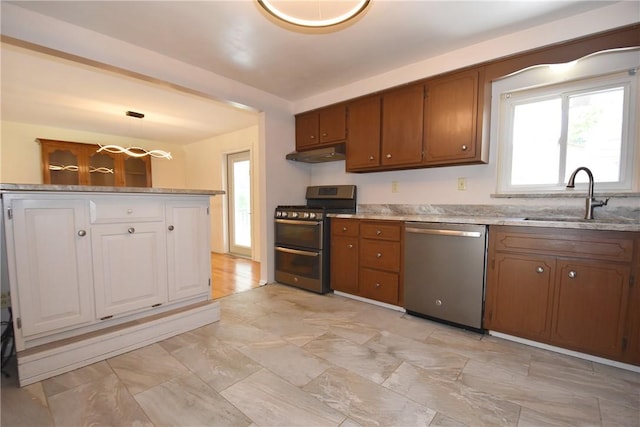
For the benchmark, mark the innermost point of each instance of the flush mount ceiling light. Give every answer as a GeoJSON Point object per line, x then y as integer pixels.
{"type": "Point", "coordinates": [314, 13]}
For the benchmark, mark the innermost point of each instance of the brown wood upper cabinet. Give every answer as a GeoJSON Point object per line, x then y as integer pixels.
{"type": "Point", "coordinates": [385, 131]}
{"type": "Point", "coordinates": [452, 119]}
{"type": "Point", "coordinates": [71, 163]}
{"type": "Point", "coordinates": [321, 127]}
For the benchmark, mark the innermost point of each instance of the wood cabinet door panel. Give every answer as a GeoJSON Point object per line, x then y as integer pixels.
{"type": "Point", "coordinates": [590, 307]}
{"type": "Point", "coordinates": [379, 285]}
{"type": "Point", "coordinates": [129, 262]}
{"type": "Point", "coordinates": [380, 254]}
{"type": "Point", "coordinates": [307, 130]}
{"type": "Point", "coordinates": [402, 126]}
{"type": "Point", "coordinates": [363, 139]}
{"type": "Point", "coordinates": [53, 264]}
{"type": "Point", "coordinates": [519, 295]}
{"type": "Point", "coordinates": [450, 118]}
{"type": "Point", "coordinates": [332, 124]}
{"type": "Point", "coordinates": [188, 249]}
{"type": "Point", "coordinates": [344, 264]}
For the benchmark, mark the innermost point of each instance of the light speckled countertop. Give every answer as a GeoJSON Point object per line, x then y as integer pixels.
{"type": "Point", "coordinates": [623, 220]}
{"type": "Point", "coordinates": [103, 189]}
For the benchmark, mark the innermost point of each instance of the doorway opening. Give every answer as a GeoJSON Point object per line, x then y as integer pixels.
{"type": "Point", "coordinates": [239, 205]}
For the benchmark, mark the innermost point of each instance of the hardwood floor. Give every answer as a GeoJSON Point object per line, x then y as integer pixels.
{"type": "Point", "coordinates": [231, 274]}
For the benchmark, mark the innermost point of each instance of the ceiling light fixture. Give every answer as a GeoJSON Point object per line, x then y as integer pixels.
{"type": "Point", "coordinates": [134, 151]}
{"type": "Point", "coordinates": [314, 13]}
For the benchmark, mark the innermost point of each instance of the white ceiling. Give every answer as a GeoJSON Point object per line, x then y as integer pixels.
{"type": "Point", "coordinates": [235, 39]}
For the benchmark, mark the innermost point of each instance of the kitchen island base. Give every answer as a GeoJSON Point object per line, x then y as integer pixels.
{"type": "Point", "coordinates": [48, 360]}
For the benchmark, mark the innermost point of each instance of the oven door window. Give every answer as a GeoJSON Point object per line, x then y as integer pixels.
{"type": "Point", "coordinates": [301, 234]}
{"type": "Point", "coordinates": [307, 264]}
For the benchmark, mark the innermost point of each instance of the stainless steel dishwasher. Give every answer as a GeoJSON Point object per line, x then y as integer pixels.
{"type": "Point", "coordinates": [444, 270]}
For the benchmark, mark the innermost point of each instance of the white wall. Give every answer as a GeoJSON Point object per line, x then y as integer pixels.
{"type": "Point", "coordinates": [206, 162]}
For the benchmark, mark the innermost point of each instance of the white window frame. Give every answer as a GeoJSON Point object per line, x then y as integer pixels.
{"type": "Point", "coordinates": [607, 69]}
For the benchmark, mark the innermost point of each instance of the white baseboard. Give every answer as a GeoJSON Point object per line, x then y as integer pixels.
{"type": "Point", "coordinates": [53, 359]}
{"type": "Point", "coordinates": [577, 354]}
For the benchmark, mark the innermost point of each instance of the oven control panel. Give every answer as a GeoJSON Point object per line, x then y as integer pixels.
{"type": "Point", "coordinates": [298, 215]}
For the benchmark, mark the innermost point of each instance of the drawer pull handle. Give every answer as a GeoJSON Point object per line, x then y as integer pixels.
{"type": "Point", "coordinates": [82, 233]}
{"type": "Point", "coordinates": [106, 317]}
{"type": "Point", "coordinates": [572, 274]}
{"type": "Point", "coordinates": [539, 270]}
{"type": "Point", "coordinates": [131, 230]}
{"type": "Point", "coordinates": [378, 255]}
{"type": "Point", "coordinates": [171, 228]}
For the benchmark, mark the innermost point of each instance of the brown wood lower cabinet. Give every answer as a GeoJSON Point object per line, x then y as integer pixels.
{"type": "Point", "coordinates": [366, 258]}
{"type": "Point", "coordinates": [568, 288]}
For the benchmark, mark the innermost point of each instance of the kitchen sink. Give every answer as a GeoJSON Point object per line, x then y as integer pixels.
{"type": "Point", "coordinates": [595, 221]}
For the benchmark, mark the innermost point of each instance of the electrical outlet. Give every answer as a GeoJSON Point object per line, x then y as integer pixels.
{"type": "Point", "coordinates": [394, 186]}
{"type": "Point", "coordinates": [462, 184]}
{"type": "Point", "coordinates": [5, 299]}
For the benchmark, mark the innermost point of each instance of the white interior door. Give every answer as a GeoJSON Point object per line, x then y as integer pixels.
{"type": "Point", "coordinates": [239, 187]}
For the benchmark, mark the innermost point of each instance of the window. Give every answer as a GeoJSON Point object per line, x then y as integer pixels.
{"type": "Point", "coordinates": [547, 131]}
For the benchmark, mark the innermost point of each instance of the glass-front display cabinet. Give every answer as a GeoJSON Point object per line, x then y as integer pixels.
{"type": "Point", "coordinates": [72, 163]}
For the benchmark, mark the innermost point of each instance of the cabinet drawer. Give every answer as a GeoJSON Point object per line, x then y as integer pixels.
{"type": "Point", "coordinates": [125, 209]}
{"type": "Point", "coordinates": [591, 244]}
{"type": "Point", "coordinates": [380, 230]}
{"type": "Point", "coordinates": [379, 285]}
{"type": "Point", "coordinates": [380, 254]}
{"type": "Point", "coordinates": [344, 227]}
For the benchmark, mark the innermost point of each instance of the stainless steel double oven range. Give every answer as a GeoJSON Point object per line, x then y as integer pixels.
{"type": "Point", "coordinates": [302, 236]}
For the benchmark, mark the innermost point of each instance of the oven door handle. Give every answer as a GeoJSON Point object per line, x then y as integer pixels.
{"type": "Point", "coordinates": [293, 221]}
{"type": "Point", "coordinates": [296, 251]}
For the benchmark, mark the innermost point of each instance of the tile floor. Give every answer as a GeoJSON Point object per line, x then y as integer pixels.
{"type": "Point", "coordinates": [284, 357]}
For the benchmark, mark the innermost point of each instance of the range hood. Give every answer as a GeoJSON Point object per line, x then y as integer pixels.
{"type": "Point", "coordinates": [319, 155]}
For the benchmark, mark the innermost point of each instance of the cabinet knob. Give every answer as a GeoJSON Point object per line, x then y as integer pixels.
{"type": "Point", "coordinates": [378, 255]}
{"type": "Point", "coordinates": [371, 158]}
{"type": "Point", "coordinates": [324, 134]}
{"type": "Point", "coordinates": [82, 233]}
{"type": "Point", "coordinates": [129, 211]}
{"type": "Point", "coordinates": [377, 285]}
{"type": "Point", "coordinates": [539, 270]}
{"type": "Point", "coordinates": [312, 137]}
{"type": "Point", "coordinates": [572, 274]}
{"type": "Point", "coordinates": [388, 156]}
{"type": "Point", "coordinates": [171, 228]}
{"type": "Point", "coordinates": [350, 246]}
{"type": "Point", "coordinates": [344, 228]}
{"type": "Point", "coordinates": [378, 232]}
{"type": "Point", "coordinates": [464, 147]}
{"type": "Point", "coordinates": [131, 230]}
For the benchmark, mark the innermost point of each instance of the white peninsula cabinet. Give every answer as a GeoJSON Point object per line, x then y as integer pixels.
{"type": "Point", "coordinates": [101, 271]}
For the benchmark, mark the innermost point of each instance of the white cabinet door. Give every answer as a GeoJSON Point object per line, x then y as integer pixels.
{"type": "Point", "coordinates": [52, 264]}
{"type": "Point", "coordinates": [129, 263]}
{"type": "Point", "coordinates": [189, 249]}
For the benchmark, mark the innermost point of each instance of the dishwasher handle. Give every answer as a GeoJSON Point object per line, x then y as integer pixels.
{"type": "Point", "coordinates": [440, 232]}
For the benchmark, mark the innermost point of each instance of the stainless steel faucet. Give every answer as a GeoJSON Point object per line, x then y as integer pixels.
{"type": "Point", "coordinates": [591, 201]}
